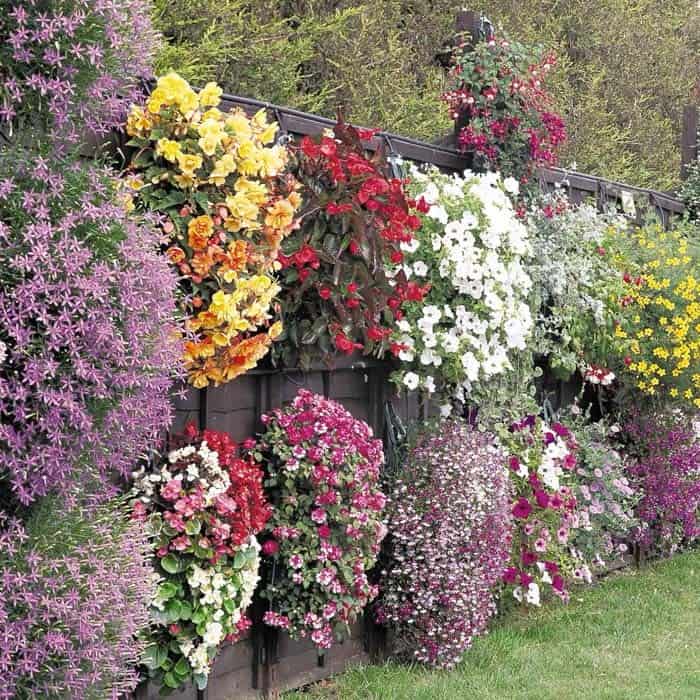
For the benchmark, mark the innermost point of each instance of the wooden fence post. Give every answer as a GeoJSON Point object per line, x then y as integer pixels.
{"type": "Point", "coordinates": [689, 139]}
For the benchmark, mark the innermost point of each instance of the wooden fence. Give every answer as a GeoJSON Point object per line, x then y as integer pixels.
{"type": "Point", "coordinates": [268, 662]}
{"type": "Point", "coordinates": [689, 138]}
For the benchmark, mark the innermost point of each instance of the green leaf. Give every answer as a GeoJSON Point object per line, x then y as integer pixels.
{"type": "Point", "coordinates": [193, 527]}
{"type": "Point", "coordinates": [154, 655]}
{"type": "Point", "coordinates": [170, 564]}
{"type": "Point", "coordinates": [171, 680]}
{"type": "Point", "coordinates": [182, 667]}
{"type": "Point", "coordinates": [167, 590]}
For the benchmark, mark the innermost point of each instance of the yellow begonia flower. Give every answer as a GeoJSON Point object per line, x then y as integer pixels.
{"type": "Point", "coordinates": [137, 121]}
{"type": "Point", "coordinates": [189, 163]}
{"type": "Point", "coordinates": [169, 149]}
{"type": "Point", "coordinates": [239, 124]}
{"type": "Point", "coordinates": [280, 215]}
{"type": "Point", "coordinates": [208, 144]}
{"type": "Point", "coordinates": [268, 134]}
{"type": "Point", "coordinates": [210, 95]}
{"type": "Point", "coordinates": [212, 128]}
{"type": "Point", "coordinates": [254, 191]}
{"type": "Point", "coordinates": [156, 101]}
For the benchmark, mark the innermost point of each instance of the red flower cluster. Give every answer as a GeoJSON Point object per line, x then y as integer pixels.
{"type": "Point", "coordinates": [337, 296]}
{"type": "Point", "coordinates": [500, 93]}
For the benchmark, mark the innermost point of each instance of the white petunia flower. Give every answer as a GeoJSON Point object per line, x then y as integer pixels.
{"type": "Point", "coordinates": [411, 380]}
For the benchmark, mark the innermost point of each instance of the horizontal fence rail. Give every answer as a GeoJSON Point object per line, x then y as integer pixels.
{"type": "Point", "coordinates": [628, 199]}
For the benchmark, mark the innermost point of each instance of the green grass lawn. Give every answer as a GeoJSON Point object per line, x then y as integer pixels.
{"type": "Point", "coordinates": [635, 636]}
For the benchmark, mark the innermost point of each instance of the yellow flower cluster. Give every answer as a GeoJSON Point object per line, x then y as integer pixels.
{"type": "Point", "coordinates": [222, 183]}
{"type": "Point", "coordinates": [660, 326]}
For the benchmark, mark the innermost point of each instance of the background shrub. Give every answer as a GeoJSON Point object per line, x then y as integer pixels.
{"type": "Point", "coordinates": [450, 531]}
{"type": "Point", "coordinates": [621, 101]}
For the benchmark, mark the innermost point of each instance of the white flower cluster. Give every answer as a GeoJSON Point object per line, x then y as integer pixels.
{"type": "Point", "coordinates": [212, 591]}
{"type": "Point", "coordinates": [574, 279]}
{"type": "Point", "coordinates": [470, 249]}
{"type": "Point", "coordinates": [3, 352]}
{"type": "Point", "coordinates": [192, 465]}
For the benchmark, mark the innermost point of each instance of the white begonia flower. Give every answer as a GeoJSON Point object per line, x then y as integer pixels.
{"type": "Point", "coordinates": [420, 268]}
{"type": "Point", "coordinates": [411, 380]}
{"type": "Point", "coordinates": [511, 185]}
{"type": "Point", "coordinates": [430, 340]}
{"type": "Point", "coordinates": [469, 220]}
{"type": "Point", "coordinates": [404, 326]}
{"type": "Point", "coordinates": [407, 355]}
{"type": "Point", "coordinates": [429, 384]}
{"type": "Point", "coordinates": [428, 357]}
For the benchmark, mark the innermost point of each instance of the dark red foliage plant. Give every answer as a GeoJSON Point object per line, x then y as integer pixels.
{"type": "Point", "coordinates": [338, 296]}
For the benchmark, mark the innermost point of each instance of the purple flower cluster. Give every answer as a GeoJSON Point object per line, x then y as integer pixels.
{"type": "Point", "coordinates": [667, 472]}
{"type": "Point", "coordinates": [86, 316]}
{"type": "Point", "coordinates": [450, 531]}
{"type": "Point", "coordinates": [74, 592]}
{"type": "Point", "coordinates": [73, 66]}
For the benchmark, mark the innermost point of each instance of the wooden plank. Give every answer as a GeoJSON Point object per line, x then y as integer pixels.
{"type": "Point", "coordinates": [689, 138]}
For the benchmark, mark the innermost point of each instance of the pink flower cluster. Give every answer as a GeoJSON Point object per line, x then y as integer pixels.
{"type": "Point", "coordinates": [544, 509]}
{"type": "Point", "coordinates": [322, 470]}
{"type": "Point", "coordinates": [450, 538]}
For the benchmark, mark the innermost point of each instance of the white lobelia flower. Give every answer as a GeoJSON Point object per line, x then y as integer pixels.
{"type": "Point", "coordinates": [411, 380]}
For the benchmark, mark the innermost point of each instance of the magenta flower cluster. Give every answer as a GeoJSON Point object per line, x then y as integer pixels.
{"type": "Point", "coordinates": [73, 66]}
{"type": "Point", "coordinates": [74, 593]}
{"type": "Point", "coordinates": [324, 535]}
{"type": "Point", "coordinates": [86, 317]}
{"type": "Point", "coordinates": [450, 539]}
{"type": "Point", "coordinates": [667, 472]}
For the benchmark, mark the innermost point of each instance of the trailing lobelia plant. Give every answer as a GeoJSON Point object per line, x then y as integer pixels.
{"type": "Point", "coordinates": [74, 594]}
{"type": "Point", "coordinates": [322, 469]}
{"type": "Point", "coordinates": [450, 532]}
{"type": "Point", "coordinates": [500, 94]}
{"type": "Point", "coordinates": [228, 201]}
{"type": "Point", "coordinates": [203, 506]}
{"type": "Point", "coordinates": [337, 294]}
{"type": "Point", "coordinates": [665, 470]}
{"type": "Point", "coordinates": [467, 340]}
{"type": "Point", "coordinates": [71, 68]}
{"type": "Point", "coordinates": [87, 307]}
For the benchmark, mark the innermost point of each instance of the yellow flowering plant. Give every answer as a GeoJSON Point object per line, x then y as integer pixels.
{"type": "Point", "coordinates": [659, 328]}
{"type": "Point", "coordinates": [227, 202]}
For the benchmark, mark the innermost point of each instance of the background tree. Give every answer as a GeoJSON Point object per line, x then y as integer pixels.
{"type": "Point", "coordinates": [626, 66]}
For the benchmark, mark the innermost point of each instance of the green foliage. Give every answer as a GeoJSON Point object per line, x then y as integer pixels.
{"type": "Point", "coordinates": [626, 66]}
